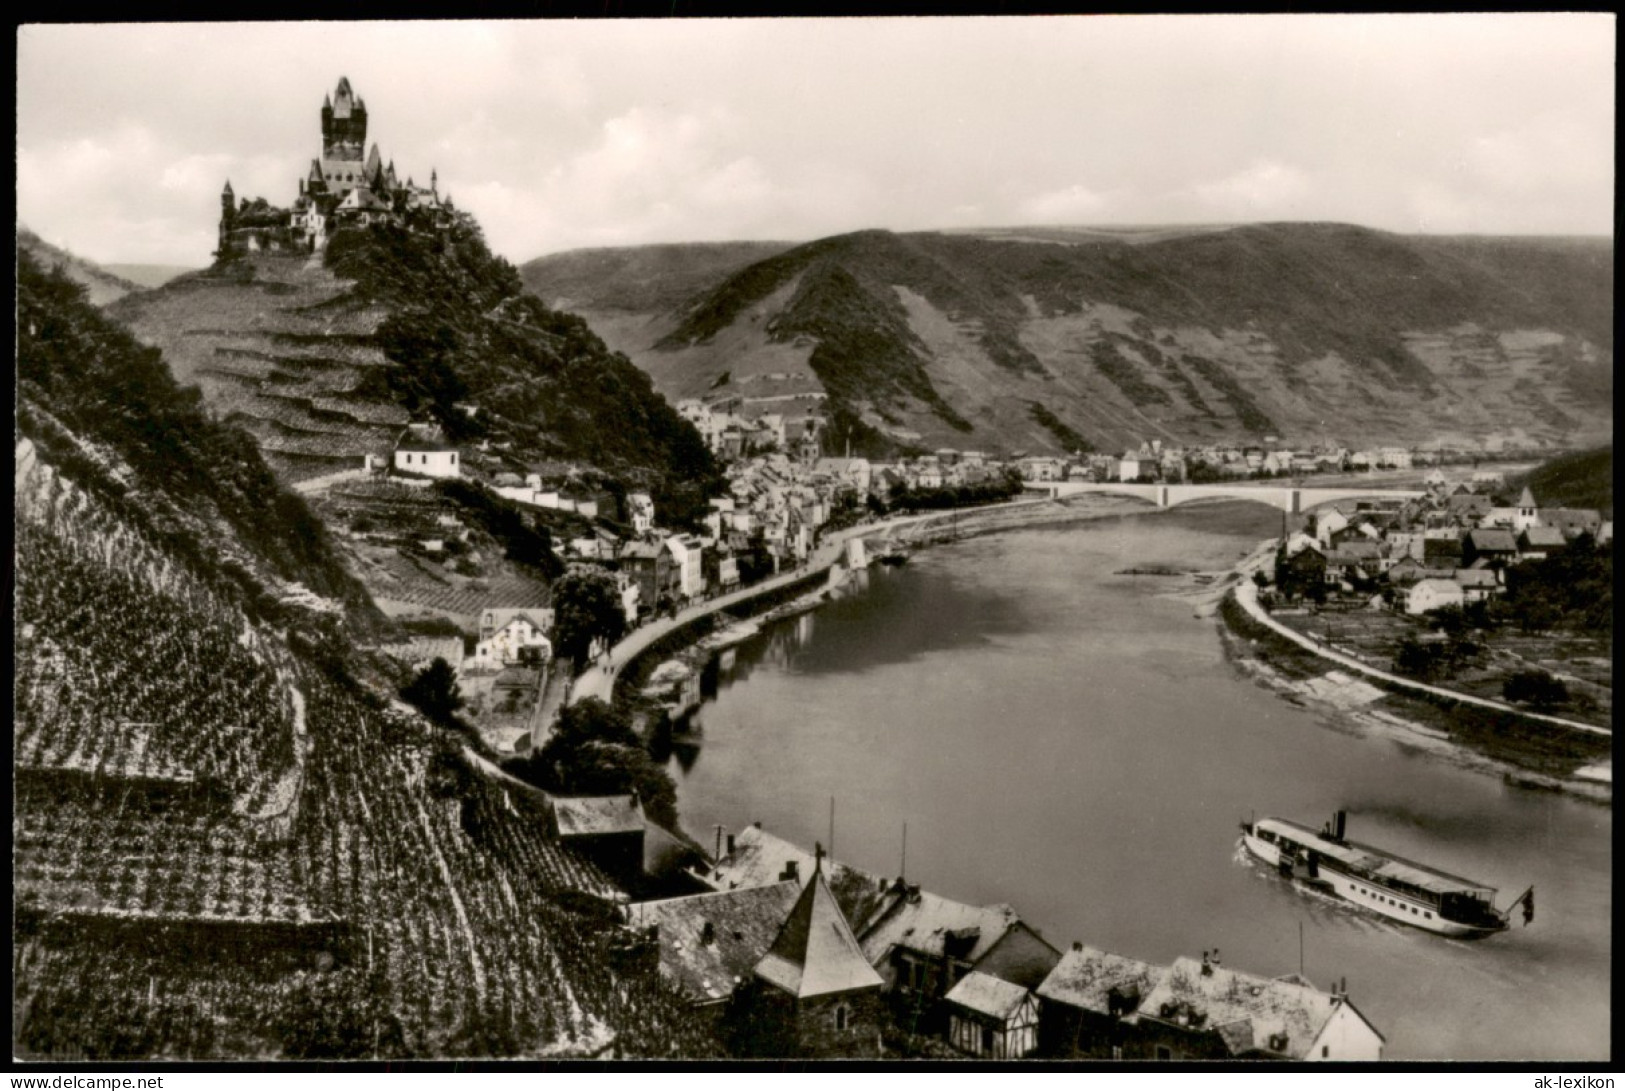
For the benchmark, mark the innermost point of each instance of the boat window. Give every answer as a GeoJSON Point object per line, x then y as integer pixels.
{"type": "Point", "coordinates": [1429, 916]}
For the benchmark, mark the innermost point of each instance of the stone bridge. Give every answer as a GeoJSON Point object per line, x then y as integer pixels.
{"type": "Point", "coordinates": [1289, 499]}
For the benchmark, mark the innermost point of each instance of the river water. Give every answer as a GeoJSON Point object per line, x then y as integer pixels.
{"type": "Point", "coordinates": [1071, 741]}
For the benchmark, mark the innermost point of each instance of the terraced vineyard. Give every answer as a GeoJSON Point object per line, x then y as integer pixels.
{"type": "Point", "coordinates": [287, 835]}
{"type": "Point", "coordinates": [284, 355]}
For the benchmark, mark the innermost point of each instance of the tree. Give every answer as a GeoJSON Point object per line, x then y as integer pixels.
{"type": "Point", "coordinates": [435, 693]}
{"type": "Point", "coordinates": [586, 607]}
{"type": "Point", "coordinates": [594, 751]}
{"type": "Point", "coordinates": [1417, 659]}
{"type": "Point", "coordinates": [1536, 688]}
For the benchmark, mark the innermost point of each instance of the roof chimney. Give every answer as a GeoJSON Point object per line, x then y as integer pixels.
{"type": "Point", "coordinates": [708, 934]}
{"type": "Point", "coordinates": [1077, 945]}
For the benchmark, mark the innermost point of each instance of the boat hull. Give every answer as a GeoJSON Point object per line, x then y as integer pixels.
{"type": "Point", "coordinates": [1377, 900]}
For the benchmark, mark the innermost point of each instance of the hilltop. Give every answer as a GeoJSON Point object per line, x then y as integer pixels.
{"type": "Point", "coordinates": [228, 841]}
{"type": "Point", "coordinates": [325, 358]}
{"type": "Point", "coordinates": [102, 285]}
{"type": "Point", "coordinates": [1040, 338]}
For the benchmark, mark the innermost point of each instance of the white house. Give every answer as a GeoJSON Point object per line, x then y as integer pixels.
{"type": "Point", "coordinates": [427, 457]}
{"type": "Point", "coordinates": [641, 508]}
{"type": "Point", "coordinates": [686, 552]}
{"type": "Point", "coordinates": [1128, 467]}
{"type": "Point", "coordinates": [1428, 595]}
{"type": "Point", "coordinates": [506, 634]}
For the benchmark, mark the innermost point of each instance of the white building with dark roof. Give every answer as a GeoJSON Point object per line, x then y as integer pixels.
{"type": "Point", "coordinates": [1200, 1010]}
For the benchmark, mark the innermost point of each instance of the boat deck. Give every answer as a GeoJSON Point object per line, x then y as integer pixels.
{"type": "Point", "coordinates": [1379, 863]}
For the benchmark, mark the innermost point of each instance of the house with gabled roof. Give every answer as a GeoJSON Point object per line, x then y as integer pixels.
{"type": "Point", "coordinates": [1573, 522]}
{"type": "Point", "coordinates": [923, 945]}
{"type": "Point", "coordinates": [608, 830]}
{"type": "Point", "coordinates": [991, 1019]}
{"type": "Point", "coordinates": [1538, 543]}
{"type": "Point", "coordinates": [1493, 544]}
{"type": "Point", "coordinates": [709, 944]}
{"type": "Point", "coordinates": [1085, 999]}
{"type": "Point", "coordinates": [1428, 595]}
{"type": "Point", "coordinates": [1203, 1011]}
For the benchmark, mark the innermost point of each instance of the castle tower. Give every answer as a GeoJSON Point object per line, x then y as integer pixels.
{"type": "Point", "coordinates": [813, 993]}
{"type": "Point", "coordinates": [344, 139]}
{"type": "Point", "coordinates": [228, 214]}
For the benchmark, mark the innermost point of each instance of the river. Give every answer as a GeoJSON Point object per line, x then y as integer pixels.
{"type": "Point", "coordinates": [1072, 741]}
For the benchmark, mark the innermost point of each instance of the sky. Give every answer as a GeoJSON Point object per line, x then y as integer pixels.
{"type": "Point", "coordinates": [560, 135]}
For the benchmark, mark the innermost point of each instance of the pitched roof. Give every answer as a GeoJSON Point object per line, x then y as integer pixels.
{"type": "Point", "coordinates": [586, 816]}
{"type": "Point", "coordinates": [1085, 979]}
{"type": "Point", "coordinates": [930, 924]}
{"type": "Point", "coordinates": [421, 443]}
{"type": "Point", "coordinates": [1266, 1006]}
{"type": "Point", "coordinates": [1542, 536]}
{"type": "Point", "coordinates": [1493, 538]}
{"type": "Point", "coordinates": [759, 858]}
{"type": "Point", "coordinates": [815, 953]}
{"type": "Point", "coordinates": [1526, 499]}
{"type": "Point", "coordinates": [743, 923]}
{"type": "Point", "coordinates": [987, 995]}
{"type": "Point", "coordinates": [1572, 520]}
{"type": "Point", "coordinates": [1476, 577]}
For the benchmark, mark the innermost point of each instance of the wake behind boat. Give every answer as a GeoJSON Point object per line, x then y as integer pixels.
{"type": "Point", "coordinates": [1379, 881]}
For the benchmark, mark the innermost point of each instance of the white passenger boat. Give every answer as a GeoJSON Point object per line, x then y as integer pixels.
{"type": "Point", "coordinates": [1379, 881]}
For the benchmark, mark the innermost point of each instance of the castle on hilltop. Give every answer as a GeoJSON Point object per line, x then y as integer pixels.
{"type": "Point", "coordinates": [346, 186]}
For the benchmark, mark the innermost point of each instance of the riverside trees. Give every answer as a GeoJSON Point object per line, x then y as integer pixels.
{"type": "Point", "coordinates": [586, 607]}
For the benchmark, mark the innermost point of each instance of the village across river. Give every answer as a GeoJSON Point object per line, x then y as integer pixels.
{"type": "Point", "coordinates": [1068, 738]}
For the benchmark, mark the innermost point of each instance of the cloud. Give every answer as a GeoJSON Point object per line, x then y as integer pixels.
{"type": "Point", "coordinates": [1265, 190]}
{"type": "Point", "coordinates": [1073, 204]}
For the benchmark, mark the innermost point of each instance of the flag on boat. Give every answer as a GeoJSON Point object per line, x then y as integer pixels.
{"type": "Point", "coordinates": [1528, 907]}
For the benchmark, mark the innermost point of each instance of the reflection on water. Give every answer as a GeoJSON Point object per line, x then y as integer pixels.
{"type": "Point", "coordinates": [1064, 739]}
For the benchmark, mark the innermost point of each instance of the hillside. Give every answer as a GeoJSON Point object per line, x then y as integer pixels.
{"type": "Point", "coordinates": [148, 276]}
{"type": "Point", "coordinates": [102, 285]}
{"type": "Point", "coordinates": [325, 358]}
{"type": "Point", "coordinates": [227, 842]}
{"type": "Point", "coordinates": [1584, 479]}
{"type": "Point", "coordinates": [1036, 338]}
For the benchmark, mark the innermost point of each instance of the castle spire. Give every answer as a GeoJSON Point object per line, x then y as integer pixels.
{"type": "Point", "coordinates": [227, 191]}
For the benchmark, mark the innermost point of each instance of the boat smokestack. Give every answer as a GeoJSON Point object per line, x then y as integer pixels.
{"type": "Point", "coordinates": [1339, 823]}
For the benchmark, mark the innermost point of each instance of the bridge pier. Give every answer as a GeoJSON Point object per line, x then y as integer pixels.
{"type": "Point", "coordinates": [1162, 496]}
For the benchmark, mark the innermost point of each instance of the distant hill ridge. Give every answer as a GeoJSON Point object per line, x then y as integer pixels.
{"type": "Point", "coordinates": [101, 285]}
{"type": "Point", "coordinates": [1305, 331]}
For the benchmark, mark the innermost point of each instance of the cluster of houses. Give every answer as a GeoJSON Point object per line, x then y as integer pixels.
{"type": "Point", "coordinates": [1156, 461]}
{"type": "Point", "coordinates": [813, 958]}
{"type": "Point", "coordinates": [1449, 547]}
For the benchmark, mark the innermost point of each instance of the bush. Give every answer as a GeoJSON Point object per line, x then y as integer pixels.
{"type": "Point", "coordinates": [1536, 688]}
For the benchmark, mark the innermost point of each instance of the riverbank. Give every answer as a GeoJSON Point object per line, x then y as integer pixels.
{"type": "Point", "coordinates": [1502, 744]}
{"type": "Point", "coordinates": [603, 678]}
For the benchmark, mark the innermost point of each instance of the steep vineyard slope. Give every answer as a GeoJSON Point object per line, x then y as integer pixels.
{"type": "Point", "coordinates": [1035, 339]}
{"type": "Point", "coordinates": [324, 359]}
{"type": "Point", "coordinates": [226, 844]}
